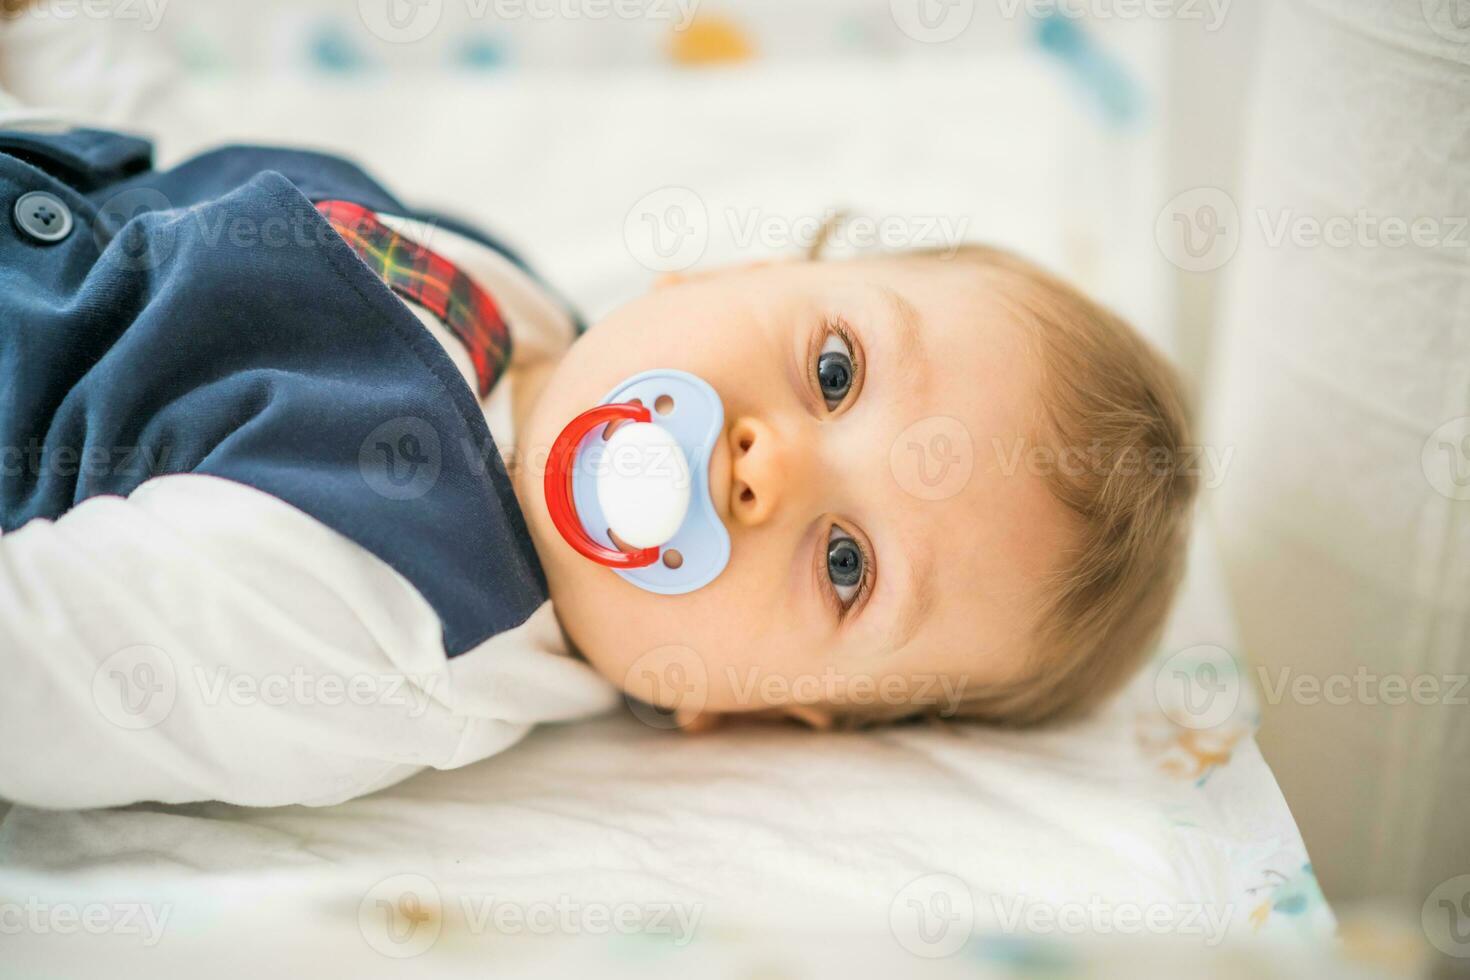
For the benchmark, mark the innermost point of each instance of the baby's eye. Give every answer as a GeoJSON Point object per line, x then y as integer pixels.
{"type": "Point", "coordinates": [844, 565]}
{"type": "Point", "coordinates": [834, 370]}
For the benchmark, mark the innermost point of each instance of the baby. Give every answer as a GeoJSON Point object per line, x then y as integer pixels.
{"type": "Point", "coordinates": [277, 525]}
{"type": "Point", "coordinates": [1022, 586]}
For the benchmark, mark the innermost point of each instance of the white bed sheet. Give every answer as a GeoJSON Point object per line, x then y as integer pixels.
{"type": "Point", "coordinates": [741, 829]}
{"type": "Point", "coordinates": [775, 826]}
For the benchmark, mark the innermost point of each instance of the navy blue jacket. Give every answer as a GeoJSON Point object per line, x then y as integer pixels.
{"type": "Point", "coordinates": [206, 319]}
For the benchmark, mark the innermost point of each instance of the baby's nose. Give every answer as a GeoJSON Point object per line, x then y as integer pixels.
{"type": "Point", "coordinates": [758, 472]}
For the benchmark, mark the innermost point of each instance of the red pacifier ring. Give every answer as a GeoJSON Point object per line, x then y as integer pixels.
{"type": "Point", "coordinates": [558, 486]}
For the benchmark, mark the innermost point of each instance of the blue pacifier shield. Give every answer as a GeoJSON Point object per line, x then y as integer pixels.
{"type": "Point", "coordinates": [696, 421]}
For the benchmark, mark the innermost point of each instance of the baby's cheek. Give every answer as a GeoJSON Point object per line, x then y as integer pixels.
{"type": "Point", "coordinates": [711, 648]}
{"type": "Point", "coordinates": [652, 647]}
{"type": "Point", "coordinates": [694, 655]}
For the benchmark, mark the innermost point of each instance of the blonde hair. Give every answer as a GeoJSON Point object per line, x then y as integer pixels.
{"type": "Point", "coordinates": [1114, 403]}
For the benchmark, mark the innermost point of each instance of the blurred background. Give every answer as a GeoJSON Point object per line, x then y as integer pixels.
{"type": "Point", "coordinates": [996, 120]}
{"type": "Point", "coordinates": [1276, 194]}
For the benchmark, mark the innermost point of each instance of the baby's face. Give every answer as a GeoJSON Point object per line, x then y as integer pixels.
{"type": "Point", "coordinates": [887, 538]}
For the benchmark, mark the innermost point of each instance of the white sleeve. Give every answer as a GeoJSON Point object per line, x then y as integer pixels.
{"type": "Point", "coordinates": [202, 640]}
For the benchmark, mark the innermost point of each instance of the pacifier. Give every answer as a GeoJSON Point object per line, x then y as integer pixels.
{"type": "Point", "coordinates": [637, 467]}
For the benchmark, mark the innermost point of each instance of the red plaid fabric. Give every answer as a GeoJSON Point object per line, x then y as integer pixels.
{"type": "Point", "coordinates": [430, 280]}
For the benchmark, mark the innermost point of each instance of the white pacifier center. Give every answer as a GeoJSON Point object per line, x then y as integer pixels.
{"type": "Point", "coordinates": [643, 484]}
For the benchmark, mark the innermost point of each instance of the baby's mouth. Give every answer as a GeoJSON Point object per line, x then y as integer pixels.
{"type": "Point", "coordinates": [641, 482]}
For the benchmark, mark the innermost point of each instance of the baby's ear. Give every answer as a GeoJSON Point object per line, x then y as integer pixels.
{"type": "Point", "coordinates": [817, 716]}
{"type": "Point", "coordinates": [695, 721]}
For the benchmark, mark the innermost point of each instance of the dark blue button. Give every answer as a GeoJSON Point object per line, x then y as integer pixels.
{"type": "Point", "coordinates": [44, 217]}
